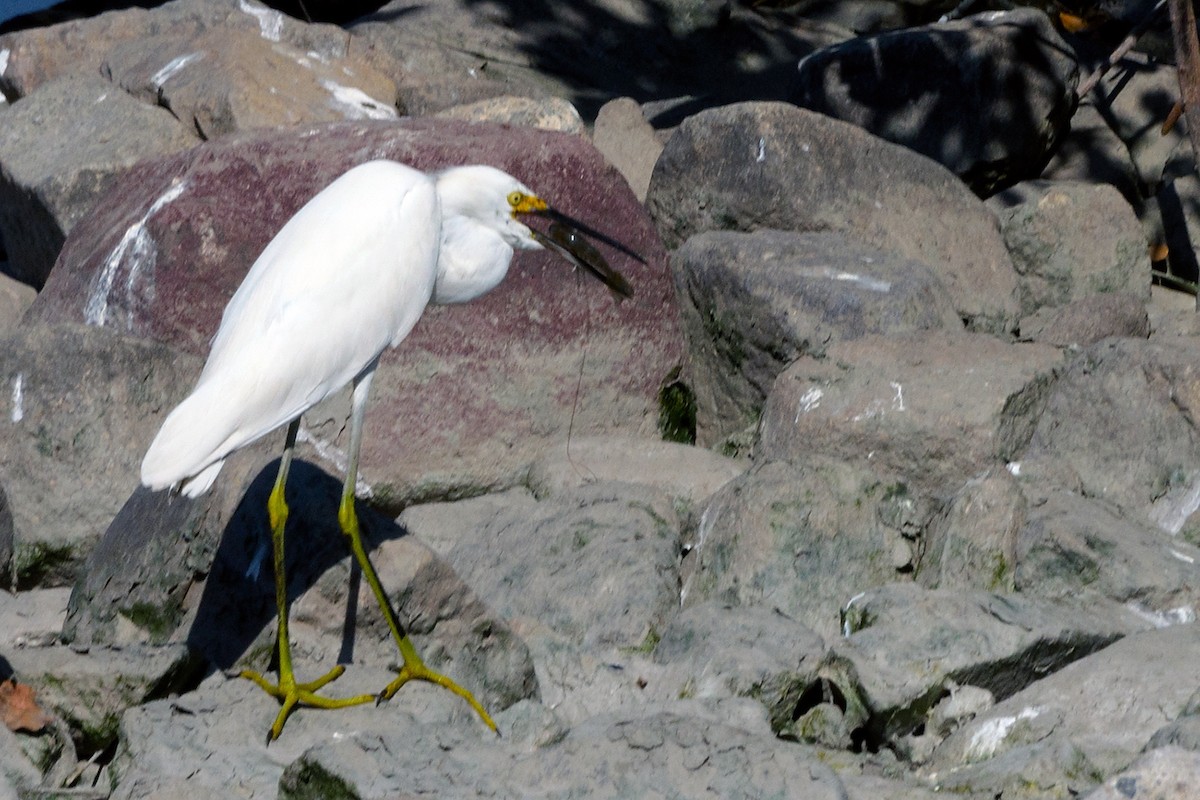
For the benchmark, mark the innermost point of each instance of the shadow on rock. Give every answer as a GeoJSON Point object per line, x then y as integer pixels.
{"type": "Point", "coordinates": [239, 596]}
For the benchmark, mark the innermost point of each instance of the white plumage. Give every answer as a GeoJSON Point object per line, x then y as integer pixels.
{"type": "Point", "coordinates": [347, 276]}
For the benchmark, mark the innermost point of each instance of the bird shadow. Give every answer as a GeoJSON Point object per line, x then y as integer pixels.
{"type": "Point", "coordinates": [238, 600]}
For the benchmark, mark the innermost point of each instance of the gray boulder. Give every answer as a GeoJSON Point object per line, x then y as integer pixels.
{"type": "Point", "coordinates": [907, 648]}
{"type": "Point", "coordinates": [674, 755]}
{"type": "Point", "coordinates": [1086, 321]}
{"type": "Point", "coordinates": [919, 404]}
{"type": "Point", "coordinates": [90, 690]}
{"type": "Point", "coordinates": [597, 565]}
{"type": "Point", "coordinates": [746, 651]}
{"type": "Point", "coordinates": [750, 166]}
{"type": "Point", "coordinates": [1070, 241]}
{"type": "Point", "coordinates": [1145, 397]}
{"type": "Point", "coordinates": [230, 79]}
{"type": "Point", "coordinates": [754, 303]}
{"type": "Point", "coordinates": [39, 55]}
{"type": "Point", "coordinates": [1073, 546]}
{"type": "Point", "coordinates": [804, 538]}
{"type": "Point", "coordinates": [51, 176]}
{"type": "Point", "coordinates": [972, 543]}
{"type": "Point", "coordinates": [86, 404]}
{"type": "Point", "coordinates": [1104, 708]}
{"type": "Point", "coordinates": [1167, 773]}
{"type": "Point", "coordinates": [988, 96]}
{"type": "Point", "coordinates": [629, 141]}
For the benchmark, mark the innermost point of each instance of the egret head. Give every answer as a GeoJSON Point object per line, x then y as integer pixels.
{"type": "Point", "coordinates": [494, 198]}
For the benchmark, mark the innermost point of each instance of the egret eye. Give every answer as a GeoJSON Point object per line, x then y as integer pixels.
{"type": "Point", "coordinates": [515, 199]}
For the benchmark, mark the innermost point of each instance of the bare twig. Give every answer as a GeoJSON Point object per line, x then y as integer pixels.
{"type": "Point", "coordinates": [1124, 47]}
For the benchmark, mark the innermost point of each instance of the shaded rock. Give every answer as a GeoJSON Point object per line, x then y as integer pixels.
{"type": "Point", "coordinates": [84, 404]}
{"type": "Point", "coordinates": [49, 182]}
{"type": "Point", "coordinates": [1168, 773]}
{"type": "Point", "coordinates": [804, 538]}
{"type": "Point", "coordinates": [475, 392]}
{"type": "Point", "coordinates": [1179, 203]}
{"type": "Point", "coordinates": [15, 297]}
{"type": "Point", "coordinates": [91, 690]}
{"type": "Point", "coordinates": [1145, 397]}
{"type": "Point", "coordinates": [750, 166]}
{"type": "Point", "coordinates": [988, 96]}
{"type": "Point", "coordinates": [918, 404]}
{"type": "Point", "coordinates": [141, 581]}
{"type": "Point", "coordinates": [1106, 705]}
{"type": "Point", "coordinates": [456, 51]}
{"type": "Point", "coordinates": [7, 576]}
{"type": "Point", "coordinates": [1092, 153]}
{"type": "Point", "coordinates": [754, 303]}
{"type": "Point", "coordinates": [688, 474]}
{"type": "Point", "coordinates": [217, 593]}
{"type": "Point", "coordinates": [1074, 241]}
{"type": "Point", "coordinates": [1088, 320]}
{"type": "Point", "coordinates": [1130, 99]}
{"type": "Point", "coordinates": [907, 646]}
{"type": "Point", "coordinates": [1183, 732]}
{"type": "Point", "coordinates": [674, 755]}
{"type": "Point", "coordinates": [1071, 546]}
{"type": "Point", "coordinates": [748, 651]}
{"type": "Point", "coordinates": [973, 543]}
{"type": "Point", "coordinates": [628, 141]}
{"type": "Point", "coordinates": [597, 565]}
{"type": "Point", "coordinates": [550, 114]}
{"type": "Point", "coordinates": [226, 80]}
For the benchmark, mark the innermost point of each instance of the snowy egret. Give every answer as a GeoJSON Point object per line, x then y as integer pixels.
{"type": "Point", "coordinates": [344, 279]}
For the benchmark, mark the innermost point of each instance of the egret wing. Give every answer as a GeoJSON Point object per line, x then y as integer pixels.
{"type": "Point", "coordinates": [349, 274]}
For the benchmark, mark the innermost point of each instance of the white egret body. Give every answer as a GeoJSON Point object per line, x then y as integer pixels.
{"type": "Point", "coordinates": [345, 278]}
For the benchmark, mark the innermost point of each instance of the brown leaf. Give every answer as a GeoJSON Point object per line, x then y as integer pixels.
{"type": "Point", "coordinates": [18, 708]}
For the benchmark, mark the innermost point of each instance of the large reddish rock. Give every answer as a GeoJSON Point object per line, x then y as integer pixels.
{"type": "Point", "coordinates": [477, 391]}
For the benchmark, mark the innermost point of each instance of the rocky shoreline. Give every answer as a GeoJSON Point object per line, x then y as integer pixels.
{"type": "Point", "coordinates": [876, 489]}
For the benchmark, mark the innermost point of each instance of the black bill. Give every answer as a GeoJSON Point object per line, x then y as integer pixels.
{"type": "Point", "coordinates": [565, 237]}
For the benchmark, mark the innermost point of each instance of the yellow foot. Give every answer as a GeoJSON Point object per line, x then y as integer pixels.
{"type": "Point", "coordinates": [417, 671]}
{"type": "Point", "coordinates": [291, 694]}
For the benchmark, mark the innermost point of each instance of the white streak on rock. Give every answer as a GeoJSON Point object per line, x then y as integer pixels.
{"type": "Point", "coordinates": [18, 397]}
{"type": "Point", "coordinates": [993, 732]}
{"type": "Point", "coordinates": [357, 104]}
{"type": "Point", "coordinates": [172, 66]}
{"type": "Point", "coordinates": [1171, 511]}
{"type": "Point", "coordinates": [137, 244]}
{"type": "Point", "coordinates": [1184, 557]}
{"type": "Point", "coordinates": [762, 150]}
{"type": "Point", "coordinates": [270, 21]}
{"type": "Point", "coordinates": [872, 284]}
{"type": "Point", "coordinates": [846, 617]}
{"type": "Point", "coordinates": [1014, 468]}
{"type": "Point", "coordinates": [809, 401]}
{"type": "Point", "coordinates": [1180, 615]}
{"type": "Point", "coordinates": [898, 402]}
{"type": "Point", "coordinates": [4, 54]}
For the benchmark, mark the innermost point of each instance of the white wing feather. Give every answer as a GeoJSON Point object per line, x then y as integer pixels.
{"type": "Point", "coordinates": [347, 276]}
